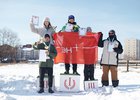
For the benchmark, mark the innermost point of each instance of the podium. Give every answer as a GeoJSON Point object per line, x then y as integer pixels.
{"type": "Point", "coordinates": [69, 82]}
{"type": "Point", "coordinates": [46, 83]}
{"type": "Point", "coordinates": [90, 85]}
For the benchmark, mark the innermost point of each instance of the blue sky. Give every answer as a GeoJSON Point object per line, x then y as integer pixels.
{"type": "Point", "coordinates": [102, 15]}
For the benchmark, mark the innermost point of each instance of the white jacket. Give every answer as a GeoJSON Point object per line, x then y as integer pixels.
{"type": "Point", "coordinates": [42, 31]}
{"type": "Point", "coordinates": [110, 57]}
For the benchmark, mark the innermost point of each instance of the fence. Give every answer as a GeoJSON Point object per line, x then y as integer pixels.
{"type": "Point", "coordinates": [129, 63]}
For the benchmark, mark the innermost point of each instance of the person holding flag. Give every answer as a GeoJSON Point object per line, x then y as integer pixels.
{"type": "Point", "coordinates": [89, 68]}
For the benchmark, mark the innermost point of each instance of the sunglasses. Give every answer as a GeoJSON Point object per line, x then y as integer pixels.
{"type": "Point", "coordinates": [111, 33]}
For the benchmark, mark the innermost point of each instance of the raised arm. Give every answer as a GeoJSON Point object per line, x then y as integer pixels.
{"type": "Point", "coordinates": [101, 42]}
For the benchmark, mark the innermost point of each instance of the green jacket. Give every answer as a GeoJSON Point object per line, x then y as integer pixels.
{"type": "Point", "coordinates": [52, 54]}
{"type": "Point", "coordinates": [75, 27]}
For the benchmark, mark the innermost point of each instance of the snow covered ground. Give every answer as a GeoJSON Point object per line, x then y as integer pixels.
{"type": "Point", "coordinates": [18, 82]}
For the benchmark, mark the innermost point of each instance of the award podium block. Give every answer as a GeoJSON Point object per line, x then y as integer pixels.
{"type": "Point", "coordinates": [90, 85]}
{"type": "Point", "coordinates": [46, 83]}
{"type": "Point", "coordinates": [69, 82]}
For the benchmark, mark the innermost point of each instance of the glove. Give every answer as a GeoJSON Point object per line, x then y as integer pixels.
{"type": "Point", "coordinates": [35, 43]}
{"type": "Point", "coordinates": [75, 28]}
{"type": "Point", "coordinates": [100, 33]}
{"type": "Point", "coordinates": [115, 49]}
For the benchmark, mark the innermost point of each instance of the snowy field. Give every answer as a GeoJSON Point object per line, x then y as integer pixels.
{"type": "Point", "coordinates": [18, 82]}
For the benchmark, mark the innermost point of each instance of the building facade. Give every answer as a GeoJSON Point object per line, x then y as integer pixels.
{"type": "Point", "coordinates": [27, 53]}
{"type": "Point", "coordinates": [132, 49]}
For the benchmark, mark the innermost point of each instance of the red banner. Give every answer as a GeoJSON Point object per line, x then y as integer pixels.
{"type": "Point", "coordinates": [73, 48]}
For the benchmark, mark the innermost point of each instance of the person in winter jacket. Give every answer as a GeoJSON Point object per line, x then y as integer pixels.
{"type": "Point", "coordinates": [46, 29]}
{"type": "Point", "coordinates": [88, 68]}
{"type": "Point", "coordinates": [46, 67]}
{"type": "Point", "coordinates": [71, 26]}
{"type": "Point", "coordinates": [109, 59]}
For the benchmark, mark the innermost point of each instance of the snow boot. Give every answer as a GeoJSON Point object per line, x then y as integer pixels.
{"type": "Point", "coordinates": [105, 82]}
{"type": "Point", "coordinates": [41, 90]}
{"type": "Point", "coordinates": [76, 73]}
{"type": "Point", "coordinates": [115, 83]}
{"type": "Point", "coordinates": [66, 72]}
{"type": "Point", "coordinates": [50, 90]}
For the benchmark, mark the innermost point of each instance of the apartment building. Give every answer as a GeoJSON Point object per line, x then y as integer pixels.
{"type": "Point", "coordinates": [27, 53]}
{"type": "Point", "coordinates": [132, 49]}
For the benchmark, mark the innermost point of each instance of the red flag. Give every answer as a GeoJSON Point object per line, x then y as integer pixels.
{"type": "Point", "coordinates": [73, 48]}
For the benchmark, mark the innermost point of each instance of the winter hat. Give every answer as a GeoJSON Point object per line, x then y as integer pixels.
{"type": "Point", "coordinates": [112, 31]}
{"type": "Point", "coordinates": [47, 35]}
{"type": "Point", "coordinates": [112, 35]}
{"type": "Point", "coordinates": [47, 19]}
{"type": "Point", "coordinates": [71, 17]}
{"type": "Point", "coordinates": [89, 29]}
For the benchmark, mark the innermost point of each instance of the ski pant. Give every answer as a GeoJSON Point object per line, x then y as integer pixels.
{"type": "Point", "coordinates": [88, 72]}
{"type": "Point", "coordinates": [67, 67]}
{"type": "Point", "coordinates": [114, 75]}
{"type": "Point", "coordinates": [42, 71]}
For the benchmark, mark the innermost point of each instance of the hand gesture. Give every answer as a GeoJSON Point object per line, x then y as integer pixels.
{"type": "Point", "coordinates": [47, 52]}
{"type": "Point", "coordinates": [46, 47]}
{"type": "Point", "coordinates": [100, 33]}
{"type": "Point", "coordinates": [31, 20]}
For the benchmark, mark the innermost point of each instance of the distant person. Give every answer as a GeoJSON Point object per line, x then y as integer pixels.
{"type": "Point", "coordinates": [89, 68]}
{"type": "Point", "coordinates": [109, 60]}
{"type": "Point", "coordinates": [70, 26]}
{"type": "Point", "coordinates": [46, 67]}
{"type": "Point", "coordinates": [46, 29]}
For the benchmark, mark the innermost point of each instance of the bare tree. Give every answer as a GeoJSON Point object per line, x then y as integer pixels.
{"type": "Point", "coordinates": [8, 37]}
{"type": "Point", "coordinates": [9, 42]}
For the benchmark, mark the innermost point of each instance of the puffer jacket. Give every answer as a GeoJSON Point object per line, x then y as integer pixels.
{"type": "Point", "coordinates": [52, 54]}
{"type": "Point", "coordinates": [42, 31]}
{"type": "Point", "coordinates": [110, 58]}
